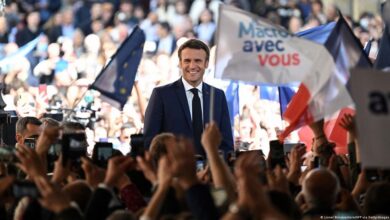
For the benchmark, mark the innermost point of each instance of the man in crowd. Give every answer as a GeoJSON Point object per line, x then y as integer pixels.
{"type": "Point", "coordinates": [182, 107]}
{"type": "Point", "coordinates": [27, 127]}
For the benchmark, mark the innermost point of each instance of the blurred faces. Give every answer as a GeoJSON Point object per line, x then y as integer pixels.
{"type": "Point", "coordinates": [206, 16]}
{"type": "Point", "coordinates": [33, 19]}
{"type": "Point", "coordinates": [124, 136]}
{"type": "Point", "coordinates": [193, 64]}
{"type": "Point", "coordinates": [67, 17]}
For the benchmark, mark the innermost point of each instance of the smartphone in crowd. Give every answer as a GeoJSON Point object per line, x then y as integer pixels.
{"type": "Point", "coordinates": [137, 145]}
{"type": "Point", "coordinates": [30, 142]}
{"type": "Point", "coordinates": [277, 154]}
{"type": "Point", "coordinates": [73, 147]}
{"type": "Point", "coordinates": [103, 151]}
{"type": "Point", "coordinates": [53, 155]}
{"type": "Point", "coordinates": [25, 188]}
{"type": "Point", "coordinates": [372, 175]}
{"type": "Point", "coordinates": [244, 146]}
{"type": "Point", "coordinates": [200, 163]}
{"type": "Point", "coordinates": [288, 146]}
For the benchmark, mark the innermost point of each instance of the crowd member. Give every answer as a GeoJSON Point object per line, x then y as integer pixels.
{"type": "Point", "coordinates": [123, 143]}
{"type": "Point", "coordinates": [65, 29]}
{"type": "Point", "coordinates": [27, 127]}
{"type": "Point", "coordinates": [30, 31]}
{"type": "Point", "coordinates": [166, 41]}
{"type": "Point", "coordinates": [206, 27]}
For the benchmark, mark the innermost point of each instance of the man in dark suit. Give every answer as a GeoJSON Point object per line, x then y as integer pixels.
{"type": "Point", "coordinates": [182, 107]}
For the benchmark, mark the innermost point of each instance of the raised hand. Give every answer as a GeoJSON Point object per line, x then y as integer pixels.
{"type": "Point", "coordinates": [163, 172]}
{"type": "Point", "coordinates": [296, 161]}
{"type": "Point", "coordinates": [60, 172]}
{"type": "Point", "coordinates": [30, 162]}
{"type": "Point", "coordinates": [146, 166]}
{"type": "Point", "coordinates": [211, 138]}
{"type": "Point", "coordinates": [49, 136]}
{"type": "Point", "coordinates": [93, 174]}
{"type": "Point", "coordinates": [52, 197]}
{"type": "Point", "coordinates": [117, 166]}
{"type": "Point", "coordinates": [182, 159]}
{"type": "Point", "coordinates": [251, 195]}
{"type": "Point", "coordinates": [349, 124]}
{"type": "Point", "coordinates": [277, 180]}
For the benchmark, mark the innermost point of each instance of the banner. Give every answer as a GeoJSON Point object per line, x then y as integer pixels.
{"type": "Point", "coordinates": [251, 49]}
{"type": "Point", "coordinates": [370, 91]}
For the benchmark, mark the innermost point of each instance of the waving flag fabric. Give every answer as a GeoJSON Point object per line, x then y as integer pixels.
{"type": "Point", "coordinates": [116, 80]}
{"type": "Point", "coordinates": [21, 52]}
{"type": "Point", "coordinates": [281, 94]}
{"type": "Point", "coordinates": [347, 52]}
{"type": "Point", "coordinates": [251, 49]}
{"type": "Point", "coordinates": [233, 100]}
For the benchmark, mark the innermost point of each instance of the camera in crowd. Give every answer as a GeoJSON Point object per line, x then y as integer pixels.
{"type": "Point", "coordinates": [8, 121]}
{"type": "Point", "coordinates": [102, 152]}
{"type": "Point", "coordinates": [73, 147]}
{"type": "Point", "coordinates": [137, 145]}
{"type": "Point", "coordinates": [86, 115]}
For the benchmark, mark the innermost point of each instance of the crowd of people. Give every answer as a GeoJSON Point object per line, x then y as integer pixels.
{"type": "Point", "coordinates": [169, 181]}
{"type": "Point", "coordinates": [77, 38]}
{"type": "Point", "coordinates": [74, 40]}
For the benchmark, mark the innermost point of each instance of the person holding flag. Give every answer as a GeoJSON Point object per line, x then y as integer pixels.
{"type": "Point", "coordinates": [182, 107]}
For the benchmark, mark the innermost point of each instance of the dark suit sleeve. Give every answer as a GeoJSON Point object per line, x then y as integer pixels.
{"type": "Point", "coordinates": [225, 126]}
{"type": "Point", "coordinates": [153, 118]}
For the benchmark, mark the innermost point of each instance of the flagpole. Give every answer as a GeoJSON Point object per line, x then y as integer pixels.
{"type": "Point", "coordinates": [280, 107]}
{"type": "Point", "coordinates": [211, 110]}
{"type": "Point", "coordinates": [211, 113]}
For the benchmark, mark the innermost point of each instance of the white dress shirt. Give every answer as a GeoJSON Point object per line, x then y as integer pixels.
{"type": "Point", "coordinates": [190, 95]}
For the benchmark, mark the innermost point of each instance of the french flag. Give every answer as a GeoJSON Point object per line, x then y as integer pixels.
{"type": "Point", "coordinates": [333, 100]}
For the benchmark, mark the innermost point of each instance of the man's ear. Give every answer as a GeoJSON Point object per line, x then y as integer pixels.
{"type": "Point", "coordinates": [18, 137]}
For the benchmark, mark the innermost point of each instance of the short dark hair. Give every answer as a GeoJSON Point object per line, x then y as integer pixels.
{"type": "Point", "coordinates": [165, 25]}
{"type": "Point", "coordinates": [21, 124]}
{"type": "Point", "coordinates": [195, 44]}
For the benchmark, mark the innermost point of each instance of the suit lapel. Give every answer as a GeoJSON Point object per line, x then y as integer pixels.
{"type": "Point", "coordinates": [206, 103]}
{"type": "Point", "coordinates": [180, 92]}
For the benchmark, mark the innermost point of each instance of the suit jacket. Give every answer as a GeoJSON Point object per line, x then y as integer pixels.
{"type": "Point", "coordinates": [168, 111]}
